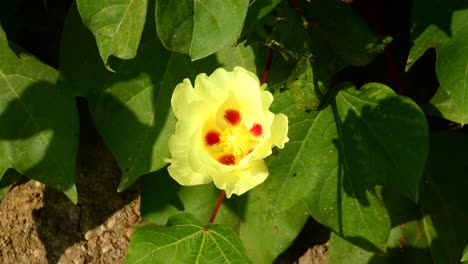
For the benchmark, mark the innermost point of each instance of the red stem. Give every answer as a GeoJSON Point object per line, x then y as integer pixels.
{"type": "Point", "coordinates": [392, 67]}
{"type": "Point", "coordinates": [218, 204]}
{"type": "Point", "coordinates": [266, 70]}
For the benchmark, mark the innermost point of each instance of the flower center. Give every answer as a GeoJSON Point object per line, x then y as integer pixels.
{"type": "Point", "coordinates": [235, 142]}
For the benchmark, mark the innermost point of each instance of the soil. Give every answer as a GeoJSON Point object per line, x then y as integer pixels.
{"type": "Point", "coordinates": [40, 225]}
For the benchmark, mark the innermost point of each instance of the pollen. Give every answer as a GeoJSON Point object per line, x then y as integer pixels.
{"type": "Point", "coordinates": [233, 116]}
{"type": "Point", "coordinates": [212, 138]}
{"type": "Point", "coordinates": [256, 130]}
{"type": "Point", "coordinates": [235, 140]}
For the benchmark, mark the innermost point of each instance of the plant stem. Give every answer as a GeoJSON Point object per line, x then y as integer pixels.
{"type": "Point", "coordinates": [218, 204]}
{"type": "Point", "coordinates": [266, 70]}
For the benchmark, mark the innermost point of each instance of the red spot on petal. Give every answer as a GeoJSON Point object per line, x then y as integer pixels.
{"type": "Point", "coordinates": [250, 151]}
{"type": "Point", "coordinates": [227, 159]}
{"type": "Point", "coordinates": [212, 138]}
{"type": "Point", "coordinates": [233, 116]}
{"type": "Point", "coordinates": [256, 130]}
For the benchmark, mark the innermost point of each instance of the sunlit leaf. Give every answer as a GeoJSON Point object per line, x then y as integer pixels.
{"type": "Point", "coordinates": [185, 240]}
{"type": "Point", "coordinates": [117, 25]}
{"type": "Point", "coordinates": [442, 25]}
{"type": "Point", "coordinates": [264, 236]}
{"type": "Point", "coordinates": [337, 156]}
{"type": "Point", "coordinates": [199, 28]}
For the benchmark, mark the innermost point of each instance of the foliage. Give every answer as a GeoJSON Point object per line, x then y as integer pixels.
{"type": "Point", "coordinates": [363, 160]}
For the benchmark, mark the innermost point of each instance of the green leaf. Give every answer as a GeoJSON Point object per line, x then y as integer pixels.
{"type": "Point", "coordinates": [341, 40]}
{"type": "Point", "coordinates": [257, 10]}
{"type": "Point", "coordinates": [80, 75]}
{"type": "Point", "coordinates": [442, 25]}
{"type": "Point", "coordinates": [433, 23]}
{"type": "Point", "coordinates": [117, 25]}
{"type": "Point", "coordinates": [11, 177]}
{"type": "Point", "coordinates": [465, 255]}
{"type": "Point", "coordinates": [337, 156]}
{"type": "Point", "coordinates": [185, 240]}
{"type": "Point", "coordinates": [2, 33]}
{"type": "Point", "coordinates": [306, 93]}
{"type": "Point", "coordinates": [341, 251]}
{"type": "Point", "coordinates": [199, 28]}
{"type": "Point", "coordinates": [264, 236]}
{"type": "Point", "coordinates": [443, 196]}
{"type": "Point", "coordinates": [407, 242]}
{"type": "Point", "coordinates": [39, 124]}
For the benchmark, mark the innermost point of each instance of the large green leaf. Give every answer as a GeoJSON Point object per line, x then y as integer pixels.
{"type": "Point", "coordinates": [199, 28]}
{"type": "Point", "coordinates": [442, 25]}
{"type": "Point", "coordinates": [185, 240]}
{"type": "Point", "coordinates": [117, 25]}
{"type": "Point", "coordinates": [38, 123]}
{"type": "Point", "coordinates": [335, 158]}
{"type": "Point", "coordinates": [264, 236]}
{"type": "Point", "coordinates": [443, 196]}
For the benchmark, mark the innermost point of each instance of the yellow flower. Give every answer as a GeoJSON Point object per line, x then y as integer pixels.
{"type": "Point", "coordinates": [224, 131]}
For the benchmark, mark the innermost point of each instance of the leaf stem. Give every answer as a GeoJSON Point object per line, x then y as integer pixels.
{"type": "Point", "coordinates": [266, 70]}
{"type": "Point", "coordinates": [218, 204]}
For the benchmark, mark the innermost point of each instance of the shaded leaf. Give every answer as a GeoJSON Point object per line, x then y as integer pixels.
{"type": "Point", "coordinates": [341, 251]}
{"type": "Point", "coordinates": [443, 196]}
{"type": "Point", "coordinates": [38, 123]}
{"type": "Point", "coordinates": [257, 10]}
{"type": "Point", "coordinates": [341, 40]}
{"type": "Point", "coordinates": [185, 240]}
{"type": "Point", "coordinates": [117, 25]}
{"type": "Point", "coordinates": [11, 177]}
{"type": "Point", "coordinates": [199, 28]}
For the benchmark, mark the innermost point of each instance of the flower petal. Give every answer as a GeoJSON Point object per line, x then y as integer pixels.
{"type": "Point", "coordinates": [280, 128]}
{"type": "Point", "coordinates": [240, 181]}
{"type": "Point", "coordinates": [184, 175]}
{"type": "Point", "coordinates": [182, 98]}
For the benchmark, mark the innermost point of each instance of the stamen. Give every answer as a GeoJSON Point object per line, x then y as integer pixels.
{"type": "Point", "coordinates": [212, 138]}
{"type": "Point", "coordinates": [227, 159]}
{"type": "Point", "coordinates": [256, 130]}
{"type": "Point", "coordinates": [233, 116]}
